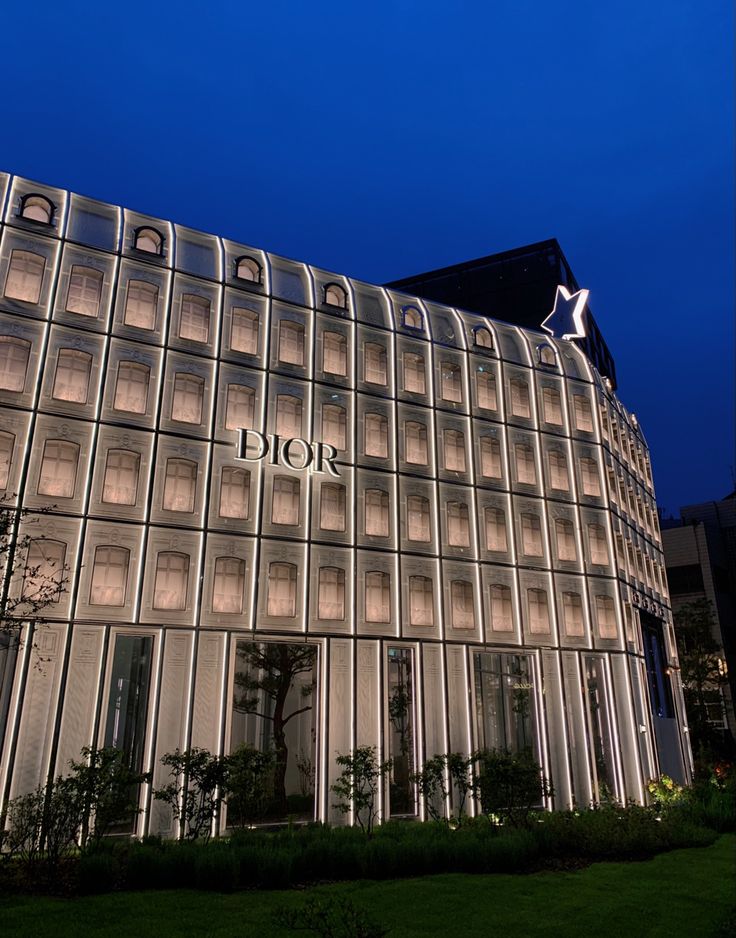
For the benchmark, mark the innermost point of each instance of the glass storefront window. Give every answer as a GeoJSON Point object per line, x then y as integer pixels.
{"type": "Point", "coordinates": [401, 731]}
{"type": "Point", "coordinates": [505, 709]}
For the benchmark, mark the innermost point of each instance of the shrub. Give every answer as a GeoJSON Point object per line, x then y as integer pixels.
{"type": "Point", "coordinates": [509, 785]}
{"type": "Point", "coordinates": [196, 790]}
{"type": "Point", "coordinates": [330, 918]}
{"type": "Point", "coordinates": [247, 784]}
{"type": "Point", "coordinates": [358, 785]}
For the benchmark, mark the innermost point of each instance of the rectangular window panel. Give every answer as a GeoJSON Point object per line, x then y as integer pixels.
{"type": "Point", "coordinates": [401, 731]}
{"type": "Point", "coordinates": [244, 331]}
{"type": "Point", "coordinates": [331, 600]}
{"type": "Point", "coordinates": [505, 712]}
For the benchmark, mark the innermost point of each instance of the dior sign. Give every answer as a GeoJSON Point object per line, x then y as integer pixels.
{"type": "Point", "coordinates": [294, 453]}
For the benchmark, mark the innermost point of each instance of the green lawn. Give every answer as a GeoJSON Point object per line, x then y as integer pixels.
{"type": "Point", "coordinates": [685, 893]}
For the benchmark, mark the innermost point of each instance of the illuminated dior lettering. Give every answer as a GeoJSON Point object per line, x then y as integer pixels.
{"type": "Point", "coordinates": [294, 453]}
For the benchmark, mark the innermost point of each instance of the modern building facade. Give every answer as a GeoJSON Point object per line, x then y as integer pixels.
{"type": "Point", "coordinates": [291, 509]}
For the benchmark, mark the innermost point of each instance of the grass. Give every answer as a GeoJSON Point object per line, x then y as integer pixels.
{"type": "Point", "coordinates": [682, 893]}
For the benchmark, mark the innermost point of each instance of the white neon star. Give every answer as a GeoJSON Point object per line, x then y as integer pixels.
{"type": "Point", "coordinates": [566, 319]}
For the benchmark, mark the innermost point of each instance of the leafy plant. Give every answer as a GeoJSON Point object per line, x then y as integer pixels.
{"type": "Point", "coordinates": [247, 784]}
{"type": "Point", "coordinates": [664, 791]}
{"type": "Point", "coordinates": [358, 785]}
{"type": "Point", "coordinates": [432, 782]}
{"type": "Point", "coordinates": [196, 791]}
{"type": "Point", "coordinates": [509, 785]}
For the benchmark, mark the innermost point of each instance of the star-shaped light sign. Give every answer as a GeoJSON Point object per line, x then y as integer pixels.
{"type": "Point", "coordinates": [566, 319]}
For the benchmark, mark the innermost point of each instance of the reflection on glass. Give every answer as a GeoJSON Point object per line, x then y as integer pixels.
{"type": "Point", "coordinates": [504, 702]}
{"type": "Point", "coordinates": [401, 730]}
{"type": "Point", "coordinates": [599, 728]}
{"type": "Point", "coordinates": [274, 698]}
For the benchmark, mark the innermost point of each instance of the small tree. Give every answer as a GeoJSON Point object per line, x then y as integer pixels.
{"type": "Point", "coordinates": [248, 785]}
{"type": "Point", "coordinates": [107, 792]}
{"type": "Point", "coordinates": [432, 782]}
{"type": "Point", "coordinates": [271, 671]}
{"type": "Point", "coordinates": [196, 790]}
{"type": "Point", "coordinates": [358, 785]}
{"type": "Point", "coordinates": [42, 824]}
{"type": "Point", "coordinates": [23, 560]}
{"type": "Point", "coordinates": [509, 785]}
{"type": "Point", "coordinates": [702, 676]}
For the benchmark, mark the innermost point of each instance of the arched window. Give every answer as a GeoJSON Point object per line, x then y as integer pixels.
{"type": "Point", "coordinates": [572, 612]}
{"type": "Point", "coordinates": [411, 317]}
{"type": "Point", "coordinates": [282, 590]}
{"type": "Point", "coordinates": [194, 319]}
{"type": "Point", "coordinates": [582, 413]}
{"type": "Point", "coordinates": [374, 363]}
{"type": "Point", "coordinates": [148, 240]}
{"type": "Point", "coordinates": [415, 379]}
{"type": "Point", "coordinates": [332, 507]}
{"type": "Point", "coordinates": [334, 354]}
{"type": "Point", "coordinates": [496, 536]}
{"type": "Point", "coordinates": [7, 445]}
{"type": "Point", "coordinates": [452, 385]}
{"type": "Point", "coordinates": [531, 535]}
{"type": "Point", "coordinates": [331, 600]}
{"type": "Point", "coordinates": [598, 544]}
{"type": "Point", "coordinates": [453, 445]}
{"type": "Point", "coordinates": [462, 605]}
{"type": "Point", "coordinates": [172, 580]}
{"type": "Point", "coordinates": [605, 611]}
{"type": "Point", "coordinates": [538, 611]}
{"type": "Point", "coordinates": [520, 403]}
{"type": "Point", "coordinates": [131, 387]}
{"type": "Point", "coordinates": [248, 268]}
{"type": "Point", "coordinates": [291, 342]}
{"type": "Point", "coordinates": [25, 276]}
{"type": "Point", "coordinates": [421, 601]}
{"type": "Point", "coordinates": [109, 576]}
{"type": "Point", "coordinates": [180, 485]}
{"type": "Point", "coordinates": [43, 576]}
{"type": "Point", "coordinates": [376, 513]}
{"type": "Point", "coordinates": [14, 354]}
{"type": "Point", "coordinates": [285, 501]}
{"type": "Point", "coordinates": [482, 337]}
{"type": "Point", "coordinates": [187, 399]}
{"type": "Point", "coordinates": [591, 482]}
{"type": "Point", "coordinates": [559, 477]}
{"type": "Point", "coordinates": [377, 596]}
{"type": "Point", "coordinates": [234, 493]}
{"type": "Point", "coordinates": [71, 380]}
{"type": "Point", "coordinates": [552, 406]}
{"type": "Point", "coordinates": [526, 472]}
{"type": "Point", "coordinates": [565, 540]}
{"type": "Point", "coordinates": [334, 426]}
{"type": "Point", "coordinates": [240, 407]}
{"type": "Point", "coordinates": [244, 331]}
{"type": "Point", "coordinates": [335, 295]}
{"type": "Point", "coordinates": [490, 458]}
{"type": "Point", "coordinates": [58, 473]}
{"type": "Point", "coordinates": [375, 435]}
{"type": "Point", "coordinates": [502, 610]}
{"type": "Point", "coordinates": [37, 207]}
{"type": "Point", "coordinates": [546, 354]}
{"type": "Point", "coordinates": [120, 486]}
{"type": "Point", "coordinates": [141, 303]}
{"type": "Point", "coordinates": [228, 585]}
{"type": "Point", "coordinates": [85, 290]}
{"type": "Point", "coordinates": [458, 524]}
{"type": "Point", "coordinates": [288, 416]}
{"type": "Point", "coordinates": [418, 519]}
{"type": "Point", "coordinates": [485, 384]}
{"type": "Point", "coordinates": [415, 443]}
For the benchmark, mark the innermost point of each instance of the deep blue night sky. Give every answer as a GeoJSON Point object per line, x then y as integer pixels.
{"type": "Point", "coordinates": [385, 139]}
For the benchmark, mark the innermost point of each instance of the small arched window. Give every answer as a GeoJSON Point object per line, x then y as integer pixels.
{"type": "Point", "coordinates": [37, 208]}
{"type": "Point", "coordinates": [482, 337]}
{"type": "Point", "coordinates": [58, 473]}
{"type": "Point", "coordinates": [331, 601]}
{"type": "Point", "coordinates": [172, 580]}
{"type": "Point", "coordinates": [148, 240]}
{"type": "Point", "coordinates": [421, 601]}
{"type": "Point", "coordinates": [411, 317]}
{"type": "Point", "coordinates": [109, 576]}
{"type": "Point", "coordinates": [282, 590]}
{"type": "Point", "coordinates": [248, 268]}
{"type": "Point", "coordinates": [335, 295]}
{"type": "Point", "coordinates": [228, 585]}
{"type": "Point", "coordinates": [14, 354]}
{"type": "Point", "coordinates": [546, 354]}
{"type": "Point", "coordinates": [180, 485]}
{"type": "Point", "coordinates": [462, 605]}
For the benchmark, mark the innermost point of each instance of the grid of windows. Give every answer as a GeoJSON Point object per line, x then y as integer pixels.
{"type": "Point", "coordinates": [553, 472]}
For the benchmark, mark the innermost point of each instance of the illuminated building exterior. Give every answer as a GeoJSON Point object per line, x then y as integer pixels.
{"type": "Point", "coordinates": [468, 558]}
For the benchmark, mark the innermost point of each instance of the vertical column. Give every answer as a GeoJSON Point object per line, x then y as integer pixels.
{"type": "Point", "coordinates": [82, 690]}
{"type": "Point", "coordinates": [339, 734]}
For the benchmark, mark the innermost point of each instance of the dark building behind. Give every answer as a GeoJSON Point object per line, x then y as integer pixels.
{"type": "Point", "coordinates": [517, 286]}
